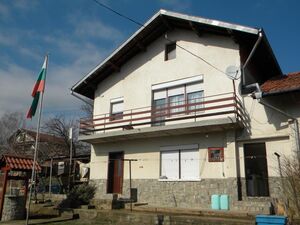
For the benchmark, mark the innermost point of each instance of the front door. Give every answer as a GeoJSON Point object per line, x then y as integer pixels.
{"type": "Point", "coordinates": [256, 170]}
{"type": "Point", "coordinates": [115, 172]}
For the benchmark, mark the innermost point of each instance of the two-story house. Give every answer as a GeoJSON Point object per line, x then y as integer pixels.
{"type": "Point", "coordinates": [174, 117]}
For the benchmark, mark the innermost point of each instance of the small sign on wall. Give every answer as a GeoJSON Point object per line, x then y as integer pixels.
{"type": "Point", "coordinates": [61, 168]}
{"type": "Point", "coordinates": [216, 154]}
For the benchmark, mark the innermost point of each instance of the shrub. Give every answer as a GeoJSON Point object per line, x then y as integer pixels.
{"type": "Point", "coordinates": [79, 195]}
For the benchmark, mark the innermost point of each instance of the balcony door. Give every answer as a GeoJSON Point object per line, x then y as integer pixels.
{"type": "Point", "coordinates": [115, 172]}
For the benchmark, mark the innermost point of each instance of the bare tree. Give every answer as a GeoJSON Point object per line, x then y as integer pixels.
{"type": "Point", "coordinates": [60, 125]}
{"type": "Point", "coordinates": [9, 123]}
{"type": "Point", "coordinates": [87, 109]}
{"type": "Point", "coordinates": [291, 176]}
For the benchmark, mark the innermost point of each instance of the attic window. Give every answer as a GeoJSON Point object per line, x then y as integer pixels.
{"type": "Point", "coordinates": [170, 51]}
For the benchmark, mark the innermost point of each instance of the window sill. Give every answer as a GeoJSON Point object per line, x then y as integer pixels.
{"type": "Point", "coordinates": [179, 180]}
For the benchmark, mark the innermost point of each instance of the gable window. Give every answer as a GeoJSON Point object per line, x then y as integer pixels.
{"type": "Point", "coordinates": [116, 109]}
{"type": "Point", "coordinates": [170, 51]}
{"type": "Point", "coordinates": [180, 164]}
{"type": "Point", "coordinates": [215, 154]}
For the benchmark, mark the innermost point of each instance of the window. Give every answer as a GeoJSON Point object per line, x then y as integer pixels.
{"type": "Point", "coordinates": [175, 99]}
{"type": "Point", "coordinates": [170, 51]}
{"type": "Point", "coordinates": [195, 99]}
{"type": "Point", "coordinates": [159, 111]}
{"type": "Point", "coordinates": [180, 164]}
{"type": "Point", "coordinates": [116, 110]}
{"type": "Point", "coordinates": [215, 154]}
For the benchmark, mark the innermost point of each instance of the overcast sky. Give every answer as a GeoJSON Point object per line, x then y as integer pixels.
{"type": "Point", "coordinates": [78, 34]}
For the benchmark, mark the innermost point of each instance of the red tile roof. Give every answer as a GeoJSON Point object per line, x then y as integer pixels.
{"type": "Point", "coordinates": [19, 163]}
{"type": "Point", "coordinates": [284, 83]}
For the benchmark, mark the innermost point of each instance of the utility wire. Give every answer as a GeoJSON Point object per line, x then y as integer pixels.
{"type": "Point", "coordinates": [116, 12]}
{"type": "Point", "coordinates": [142, 25]}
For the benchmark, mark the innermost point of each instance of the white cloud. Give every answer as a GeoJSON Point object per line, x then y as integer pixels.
{"type": "Point", "coordinates": [72, 55]}
{"type": "Point", "coordinates": [4, 11]}
{"type": "Point", "coordinates": [97, 29]}
{"type": "Point", "coordinates": [7, 40]}
{"type": "Point", "coordinates": [25, 5]}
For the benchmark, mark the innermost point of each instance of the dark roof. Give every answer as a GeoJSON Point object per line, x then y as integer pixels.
{"type": "Point", "coordinates": [45, 137]}
{"type": "Point", "coordinates": [18, 163]}
{"type": "Point", "coordinates": [282, 84]}
{"type": "Point", "coordinates": [167, 20]}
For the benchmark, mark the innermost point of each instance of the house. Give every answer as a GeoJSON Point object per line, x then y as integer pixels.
{"type": "Point", "coordinates": [22, 142]}
{"type": "Point", "coordinates": [175, 116]}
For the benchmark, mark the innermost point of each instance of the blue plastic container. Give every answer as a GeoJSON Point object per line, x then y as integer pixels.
{"type": "Point", "coordinates": [224, 202]}
{"type": "Point", "coordinates": [265, 219]}
{"type": "Point", "coordinates": [215, 202]}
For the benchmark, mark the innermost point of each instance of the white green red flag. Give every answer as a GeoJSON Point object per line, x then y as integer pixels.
{"type": "Point", "coordinates": [37, 89]}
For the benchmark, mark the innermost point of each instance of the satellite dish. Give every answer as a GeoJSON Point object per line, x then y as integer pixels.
{"type": "Point", "coordinates": [232, 72]}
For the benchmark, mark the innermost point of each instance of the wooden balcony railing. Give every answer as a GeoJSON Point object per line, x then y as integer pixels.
{"type": "Point", "coordinates": [216, 106]}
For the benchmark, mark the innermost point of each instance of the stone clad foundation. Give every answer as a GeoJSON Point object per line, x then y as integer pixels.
{"type": "Point", "coordinates": [194, 194]}
{"type": "Point", "coordinates": [181, 194]}
{"type": "Point", "coordinates": [13, 208]}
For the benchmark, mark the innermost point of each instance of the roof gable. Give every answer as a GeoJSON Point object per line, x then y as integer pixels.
{"type": "Point", "coordinates": [155, 27]}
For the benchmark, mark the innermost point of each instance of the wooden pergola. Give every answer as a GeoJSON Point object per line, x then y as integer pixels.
{"type": "Point", "coordinates": [15, 168]}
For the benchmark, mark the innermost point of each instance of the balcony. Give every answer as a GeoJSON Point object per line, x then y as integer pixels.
{"type": "Point", "coordinates": [211, 113]}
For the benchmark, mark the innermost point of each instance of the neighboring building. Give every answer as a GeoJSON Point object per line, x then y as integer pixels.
{"type": "Point", "coordinates": [22, 142]}
{"type": "Point", "coordinates": [167, 98]}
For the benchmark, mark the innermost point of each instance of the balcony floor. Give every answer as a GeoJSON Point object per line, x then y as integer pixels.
{"type": "Point", "coordinates": [204, 126]}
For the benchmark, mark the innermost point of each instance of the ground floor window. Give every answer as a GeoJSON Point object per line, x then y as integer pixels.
{"type": "Point", "coordinates": [180, 164]}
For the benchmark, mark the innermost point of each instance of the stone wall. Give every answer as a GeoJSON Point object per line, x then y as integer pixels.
{"type": "Point", "coordinates": [181, 194]}
{"type": "Point", "coordinates": [13, 208]}
{"type": "Point", "coordinates": [194, 194]}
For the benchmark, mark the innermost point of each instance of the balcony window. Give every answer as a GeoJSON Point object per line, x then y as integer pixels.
{"type": "Point", "coordinates": [159, 111]}
{"type": "Point", "coordinates": [195, 99]}
{"type": "Point", "coordinates": [116, 110]}
{"type": "Point", "coordinates": [176, 98]}
{"type": "Point", "coordinates": [180, 164]}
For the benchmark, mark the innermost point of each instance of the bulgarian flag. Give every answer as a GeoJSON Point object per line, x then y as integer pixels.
{"type": "Point", "coordinates": [37, 89]}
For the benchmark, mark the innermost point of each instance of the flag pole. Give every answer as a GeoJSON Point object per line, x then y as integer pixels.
{"type": "Point", "coordinates": [32, 183]}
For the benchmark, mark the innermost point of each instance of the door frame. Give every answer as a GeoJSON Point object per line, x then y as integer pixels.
{"type": "Point", "coordinates": [267, 190]}
{"type": "Point", "coordinates": [110, 177]}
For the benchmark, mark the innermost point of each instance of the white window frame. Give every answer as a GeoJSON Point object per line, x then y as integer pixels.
{"type": "Point", "coordinates": [118, 115]}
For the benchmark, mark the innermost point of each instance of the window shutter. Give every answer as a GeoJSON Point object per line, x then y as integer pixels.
{"type": "Point", "coordinates": [189, 164]}
{"type": "Point", "coordinates": [170, 164]}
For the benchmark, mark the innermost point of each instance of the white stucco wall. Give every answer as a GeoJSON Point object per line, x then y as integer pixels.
{"type": "Point", "coordinates": [134, 82]}
{"type": "Point", "coordinates": [136, 77]}
{"type": "Point", "coordinates": [147, 151]}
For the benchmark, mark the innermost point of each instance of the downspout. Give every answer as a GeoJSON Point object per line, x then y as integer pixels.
{"type": "Point", "coordinates": [258, 95]}
{"type": "Point", "coordinates": [251, 54]}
